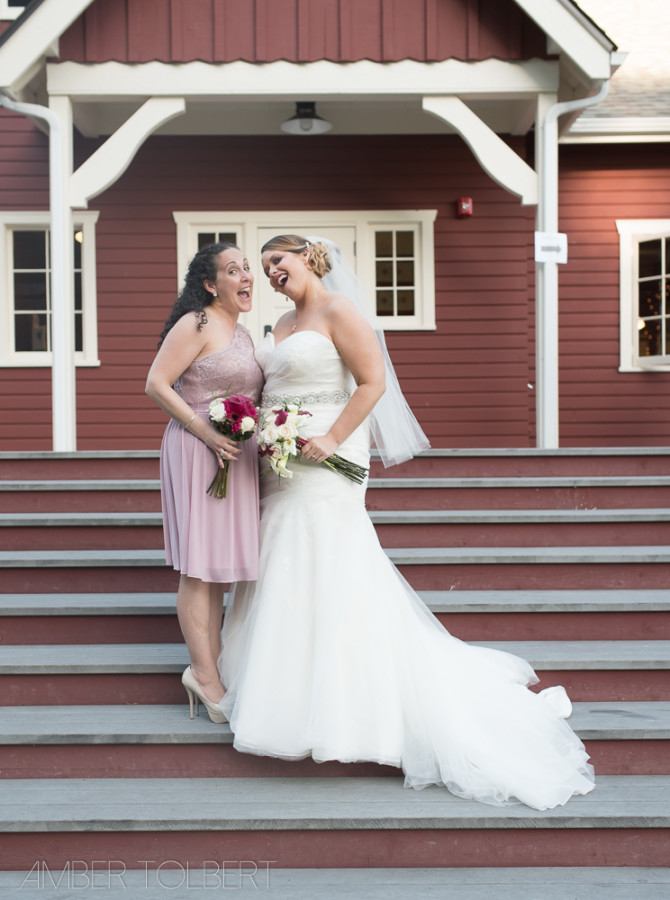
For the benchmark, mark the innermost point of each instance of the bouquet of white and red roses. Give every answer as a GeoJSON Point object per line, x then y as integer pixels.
{"type": "Point", "coordinates": [279, 441]}
{"type": "Point", "coordinates": [236, 417]}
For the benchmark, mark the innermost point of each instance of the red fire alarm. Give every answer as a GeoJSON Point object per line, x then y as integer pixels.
{"type": "Point", "coordinates": [464, 207]}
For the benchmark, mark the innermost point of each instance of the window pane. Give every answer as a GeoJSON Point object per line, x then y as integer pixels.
{"type": "Point", "coordinates": [405, 303]}
{"type": "Point", "coordinates": [650, 339]}
{"type": "Point", "coordinates": [30, 250]}
{"type": "Point", "coordinates": [77, 291]}
{"type": "Point", "coordinates": [30, 332]}
{"type": "Point", "coordinates": [650, 299]}
{"type": "Point", "coordinates": [404, 243]}
{"type": "Point", "coordinates": [30, 291]}
{"type": "Point", "coordinates": [383, 243]}
{"type": "Point", "coordinates": [405, 273]}
{"type": "Point", "coordinates": [650, 258]}
{"type": "Point", "coordinates": [78, 240]}
{"type": "Point", "coordinates": [206, 237]}
{"type": "Point", "coordinates": [384, 303]}
{"type": "Point", "coordinates": [384, 275]}
{"type": "Point", "coordinates": [228, 237]}
{"type": "Point", "coordinates": [78, 332]}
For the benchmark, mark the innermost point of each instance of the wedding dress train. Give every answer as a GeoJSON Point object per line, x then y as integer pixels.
{"type": "Point", "coordinates": [332, 654]}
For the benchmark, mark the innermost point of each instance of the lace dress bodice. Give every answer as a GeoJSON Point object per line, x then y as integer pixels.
{"type": "Point", "coordinates": [233, 370]}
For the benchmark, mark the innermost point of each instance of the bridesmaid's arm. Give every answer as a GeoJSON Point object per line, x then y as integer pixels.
{"type": "Point", "coordinates": [182, 344]}
{"type": "Point", "coordinates": [360, 351]}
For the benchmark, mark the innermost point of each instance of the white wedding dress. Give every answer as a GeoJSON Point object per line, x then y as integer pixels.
{"type": "Point", "coordinates": [332, 654]}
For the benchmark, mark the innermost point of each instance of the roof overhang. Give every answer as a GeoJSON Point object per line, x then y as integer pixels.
{"type": "Point", "coordinates": [254, 98]}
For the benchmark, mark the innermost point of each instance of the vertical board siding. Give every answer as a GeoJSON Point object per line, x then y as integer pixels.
{"type": "Point", "coordinates": [301, 30]}
{"type": "Point", "coordinates": [149, 27]}
{"type": "Point", "coordinates": [466, 380]}
{"type": "Point", "coordinates": [105, 32]}
{"type": "Point", "coordinates": [599, 405]}
{"type": "Point", "coordinates": [192, 34]}
{"type": "Point", "coordinates": [318, 30]}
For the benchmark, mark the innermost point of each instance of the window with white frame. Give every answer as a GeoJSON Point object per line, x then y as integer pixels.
{"type": "Point", "coordinates": [25, 261]}
{"type": "Point", "coordinates": [644, 249]}
{"type": "Point", "coordinates": [392, 252]}
{"type": "Point", "coordinates": [11, 9]}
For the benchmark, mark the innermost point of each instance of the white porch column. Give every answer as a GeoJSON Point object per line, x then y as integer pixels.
{"type": "Point", "coordinates": [546, 282]}
{"type": "Point", "coordinates": [63, 374]}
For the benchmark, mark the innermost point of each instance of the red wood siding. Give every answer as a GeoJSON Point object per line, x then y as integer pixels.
{"type": "Point", "coordinates": [301, 30]}
{"type": "Point", "coordinates": [466, 381]}
{"type": "Point", "coordinates": [25, 394]}
{"type": "Point", "coordinates": [601, 406]}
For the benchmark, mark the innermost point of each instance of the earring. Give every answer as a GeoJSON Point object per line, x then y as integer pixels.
{"type": "Point", "coordinates": [214, 294]}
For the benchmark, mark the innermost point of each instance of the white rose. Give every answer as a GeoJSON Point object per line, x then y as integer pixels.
{"type": "Point", "coordinates": [247, 424]}
{"type": "Point", "coordinates": [287, 431]}
{"type": "Point", "coordinates": [217, 411]}
{"type": "Point", "coordinates": [270, 434]}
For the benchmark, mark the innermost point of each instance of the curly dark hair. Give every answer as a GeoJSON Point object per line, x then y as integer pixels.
{"type": "Point", "coordinates": [194, 297]}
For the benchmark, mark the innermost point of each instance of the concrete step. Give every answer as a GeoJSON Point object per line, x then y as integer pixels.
{"type": "Point", "coordinates": [357, 884]}
{"type": "Point", "coordinates": [533, 492]}
{"type": "Point", "coordinates": [512, 461]}
{"type": "Point", "coordinates": [438, 568]}
{"type": "Point", "coordinates": [325, 822]}
{"type": "Point", "coordinates": [149, 673]}
{"type": "Point", "coordinates": [396, 528]}
{"type": "Point", "coordinates": [551, 883]}
{"type": "Point", "coordinates": [70, 618]}
{"type": "Point", "coordinates": [384, 492]}
{"type": "Point", "coordinates": [471, 615]}
{"type": "Point", "coordinates": [145, 741]}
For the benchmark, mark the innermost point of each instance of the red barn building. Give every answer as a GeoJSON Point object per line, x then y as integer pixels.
{"type": "Point", "coordinates": [162, 123]}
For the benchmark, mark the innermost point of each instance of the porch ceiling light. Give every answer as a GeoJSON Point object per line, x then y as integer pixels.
{"type": "Point", "coordinates": [305, 121]}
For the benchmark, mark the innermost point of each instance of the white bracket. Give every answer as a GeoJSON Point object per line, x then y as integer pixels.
{"type": "Point", "coordinates": [494, 155]}
{"type": "Point", "coordinates": [111, 160]}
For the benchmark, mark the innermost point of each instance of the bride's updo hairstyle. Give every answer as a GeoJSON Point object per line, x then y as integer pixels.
{"type": "Point", "coordinates": [318, 259]}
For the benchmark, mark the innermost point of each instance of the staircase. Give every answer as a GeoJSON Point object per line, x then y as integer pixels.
{"type": "Point", "coordinates": [107, 785]}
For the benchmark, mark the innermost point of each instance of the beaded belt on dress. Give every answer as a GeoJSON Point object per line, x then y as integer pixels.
{"type": "Point", "coordinates": [330, 398]}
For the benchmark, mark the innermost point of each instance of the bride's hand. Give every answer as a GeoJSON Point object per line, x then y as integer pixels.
{"type": "Point", "coordinates": [319, 448]}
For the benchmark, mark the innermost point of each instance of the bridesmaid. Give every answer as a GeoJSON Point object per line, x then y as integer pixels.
{"type": "Point", "coordinates": [204, 353]}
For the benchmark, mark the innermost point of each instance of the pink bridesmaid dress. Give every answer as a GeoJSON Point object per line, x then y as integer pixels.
{"type": "Point", "coordinates": [206, 538]}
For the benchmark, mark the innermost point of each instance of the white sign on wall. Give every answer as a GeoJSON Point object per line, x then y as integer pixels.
{"type": "Point", "coordinates": [551, 247]}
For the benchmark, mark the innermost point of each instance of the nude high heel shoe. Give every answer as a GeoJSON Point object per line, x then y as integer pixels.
{"type": "Point", "coordinates": [194, 690]}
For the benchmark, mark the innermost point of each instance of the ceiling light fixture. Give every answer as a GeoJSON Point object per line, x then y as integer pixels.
{"type": "Point", "coordinates": [305, 121]}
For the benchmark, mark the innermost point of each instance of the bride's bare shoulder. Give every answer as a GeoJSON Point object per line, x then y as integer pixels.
{"type": "Point", "coordinates": [340, 308]}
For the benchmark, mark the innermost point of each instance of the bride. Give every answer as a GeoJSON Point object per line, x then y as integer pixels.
{"type": "Point", "coordinates": [331, 654]}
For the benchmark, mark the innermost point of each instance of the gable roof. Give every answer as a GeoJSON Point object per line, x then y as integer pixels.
{"type": "Point", "coordinates": [33, 36]}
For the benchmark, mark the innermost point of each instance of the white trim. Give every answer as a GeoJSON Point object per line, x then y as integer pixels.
{"type": "Point", "coordinates": [112, 159]}
{"type": "Point", "coordinates": [321, 79]}
{"type": "Point", "coordinates": [618, 130]}
{"type": "Point", "coordinates": [661, 138]}
{"type": "Point", "coordinates": [247, 224]}
{"type": "Point", "coordinates": [590, 52]}
{"type": "Point", "coordinates": [496, 158]}
{"type": "Point", "coordinates": [8, 13]}
{"type": "Point", "coordinates": [630, 232]}
{"type": "Point", "coordinates": [621, 125]}
{"type": "Point", "coordinates": [10, 221]}
{"type": "Point", "coordinates": [36, 38]}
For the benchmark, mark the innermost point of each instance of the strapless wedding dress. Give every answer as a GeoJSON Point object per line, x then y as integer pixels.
{"type": "Point", "coordinates": [332, 654]}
